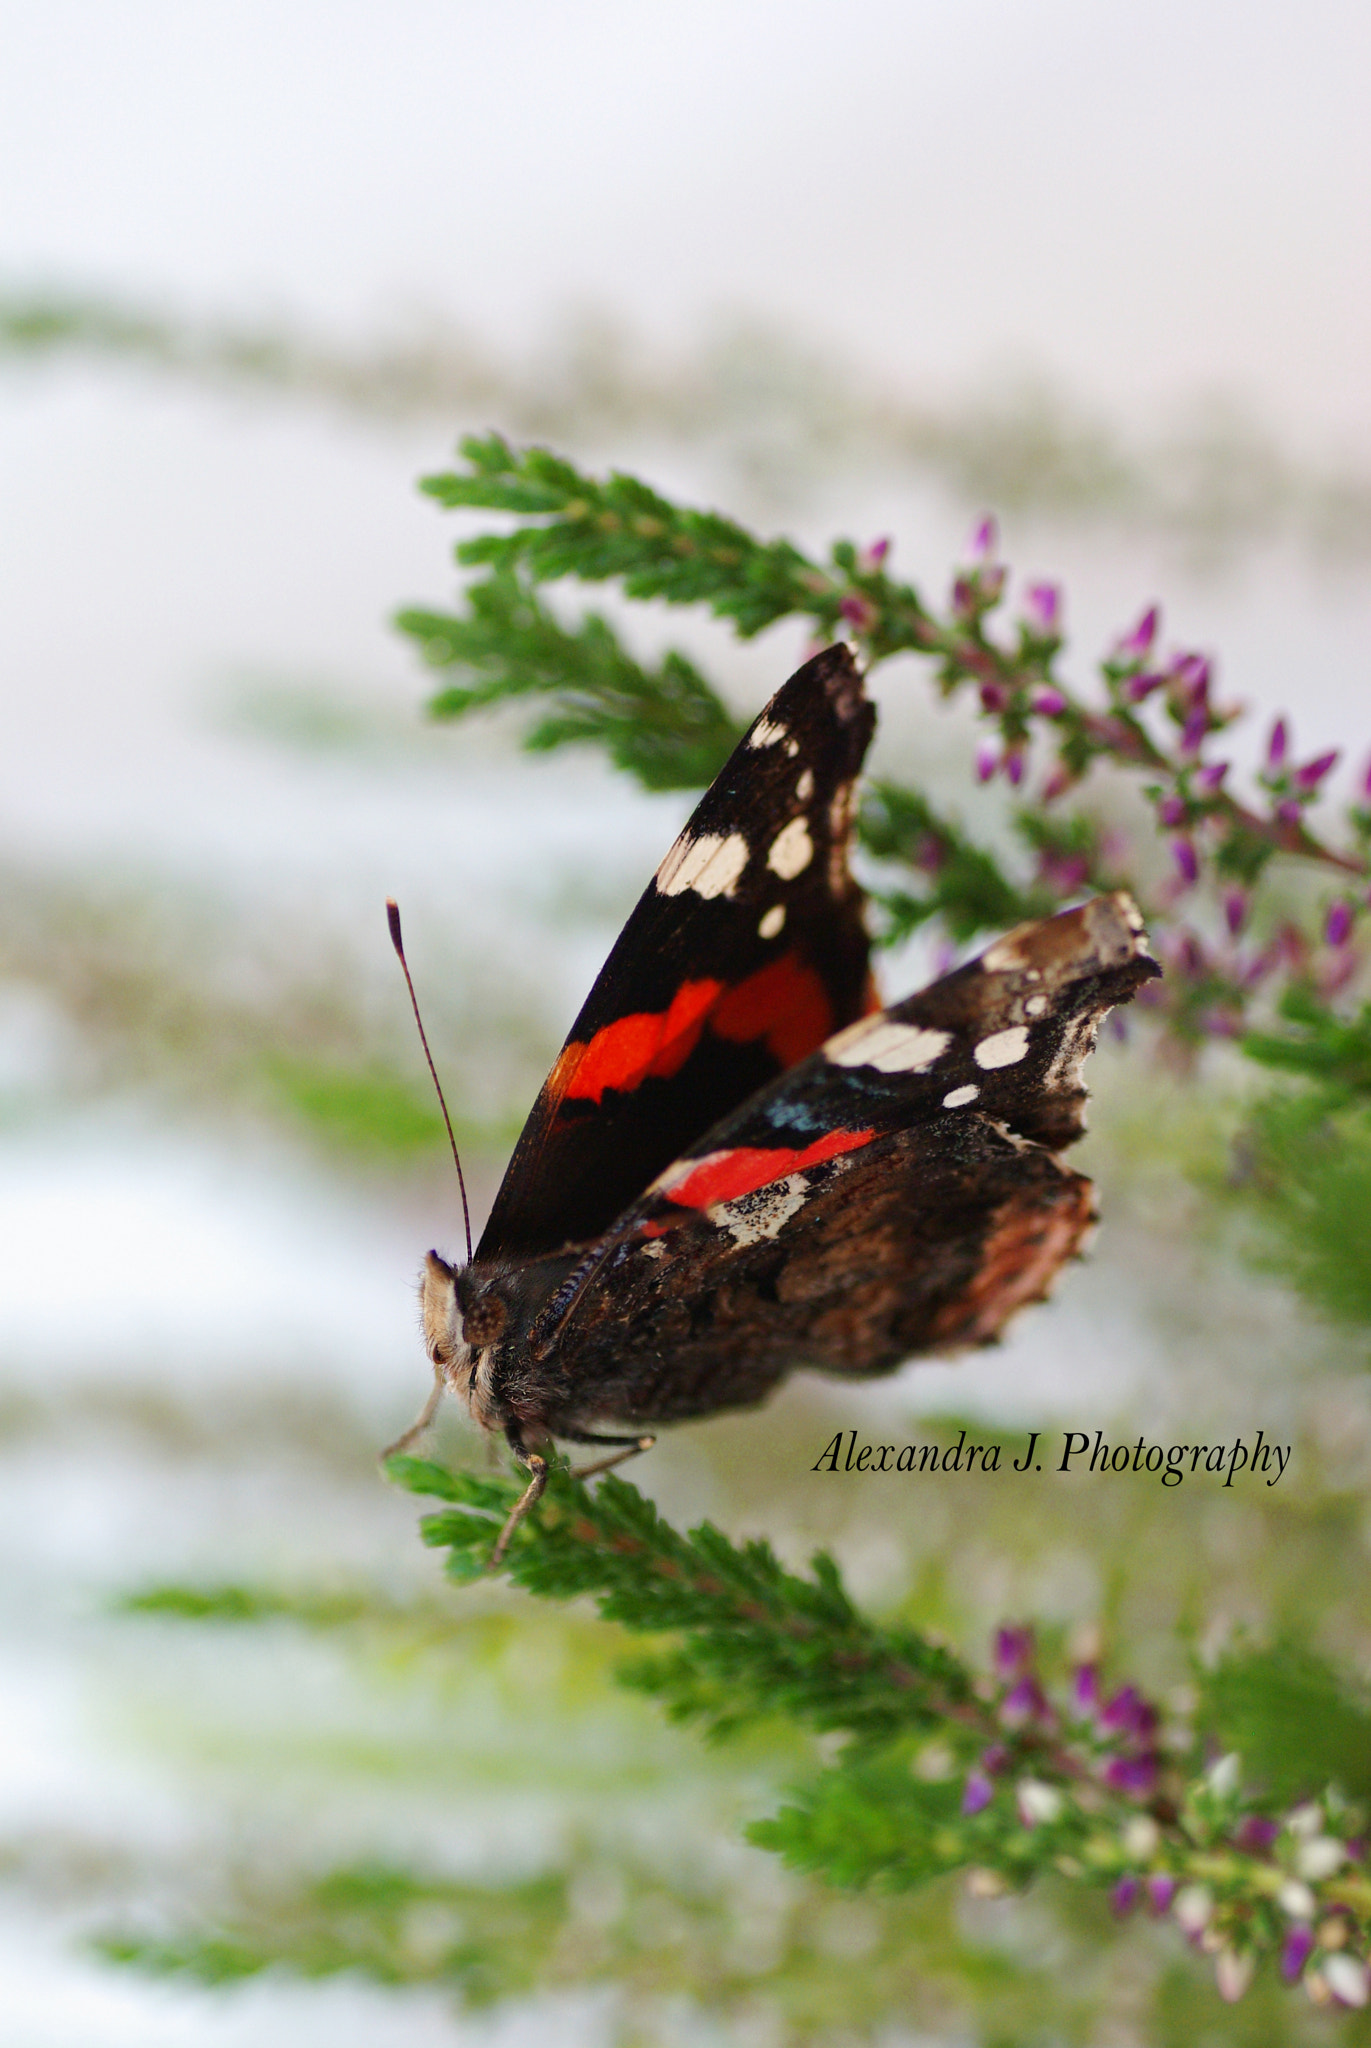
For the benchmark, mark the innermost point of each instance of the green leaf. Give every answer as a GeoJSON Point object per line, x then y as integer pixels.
{"type": "Point", "coordinates": [1297, 1724]}
{"type": "Point", "coordinates": [667, 726]}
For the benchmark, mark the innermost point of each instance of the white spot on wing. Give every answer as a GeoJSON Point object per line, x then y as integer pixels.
{"type": "Point", "coordinates": [1003, 1048]}
{"type": "Point", "coordinates": [959, 1097]}
{"type": "Point", "coordinates": [889, 1047]}
{"type": "Point", "coordinates": [791, 850]}
{"type": "Point", "coordinates": [653, 1248]}
{"type": "Point", "coordinates": [766, 733]}
{"type": "Point", "coordinates": [763, 1213]}
{"type": "Point", "coordinates": [804, 788]}
{"type": "Point", "coordinates": [710, 865]}
{"type": "Point", "coordinates": [772, 922]}
{"type": "Point", "coordinates": [1036, 1005]}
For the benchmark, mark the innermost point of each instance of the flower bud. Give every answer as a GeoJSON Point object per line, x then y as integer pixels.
{"type": "Point", "coordinates": [1042, 603]}
{"type": "Point", "coordinates": [1278, 745]}
{"type": "Point", "coordinates": [1186, 860]}
{"type": "Point", "coordinates": [1193, 1906]}
{"type": "Point", "coordinates": [1049, 703]}
{"type": "Point", "coordinates": [1135, 645]}
{"type": "Point", "coordinates": [1346, 1978]}
{"type": "Point", "coordinates": [1313, 772]}
{"type": "Point", "coordinates": [1338, 929]}
{"type": "Point", "coordinates": [1296, 1950]}
{"type": "Point", "coordinates": [1233, 1973]}
{"type": "Point", "coordinates": [984, 537]}
{"type": "Point", "coordinates": [978, 1794]}
{"type": "Point", "coordinates": [1038, 1803]}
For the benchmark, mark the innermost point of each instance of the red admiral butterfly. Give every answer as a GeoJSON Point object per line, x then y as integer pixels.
{"type": "Point", "coordinates": [740, 1163]}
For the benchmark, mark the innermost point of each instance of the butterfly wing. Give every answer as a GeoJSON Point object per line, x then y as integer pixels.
{"type": "Point", "coordinates": [897, 1192]}
{"type": "Point", "coordinates": [744, 953]}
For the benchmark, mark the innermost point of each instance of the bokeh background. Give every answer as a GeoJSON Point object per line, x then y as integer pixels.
{"type": "Point", "coordinates": [874, 269]}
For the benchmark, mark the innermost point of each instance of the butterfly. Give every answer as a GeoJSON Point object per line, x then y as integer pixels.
{"type": "Point", "coordinates": [741, 1163]}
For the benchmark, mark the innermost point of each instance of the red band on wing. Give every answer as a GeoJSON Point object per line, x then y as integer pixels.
{"type": "Point", "coordinates": [628, 1050]}
{"type": "Point", "coordinates": [724, 1176]}
{"type": "Point", "coordinates": [785, 1003]}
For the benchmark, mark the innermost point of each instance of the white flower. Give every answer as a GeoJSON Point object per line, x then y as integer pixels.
{"type": "Point", "coordinates": [1192, 1906]}
{"type": "Point", "coordinates": [1305, 1820]}
{"type": "Point", "coordinates": [1297, 1900]}
{"type": "Point", "coordinates": [1038, 1802]}
{"type": "Point", "coordinates": [1345, 1978]}
{"type": "Point", "coordinates": [1141, 1838]}
{"type": "Point", "coordinates": [1222, 1777]}
{"type": "Point", "coordinates": [1233, 1974]}
{"type": "Point", "coordinates": [1319, 1857]}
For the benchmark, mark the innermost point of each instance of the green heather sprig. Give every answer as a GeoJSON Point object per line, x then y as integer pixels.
{"type": "Point", "coordinates": [944, 1769]}
{"type": "Point", "coordinates": [1226, 937]}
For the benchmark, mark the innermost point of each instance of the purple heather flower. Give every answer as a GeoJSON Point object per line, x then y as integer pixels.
{"type": "Point", "coordinates": [1135, 1776]}
{"type": "Point", "coordinates": [1172, 811]}
{"type": "Point", "coordinates": [1125, 1895]}
{"type": "Point", "coordinates": [1192, 672]}
{"type": "Point", "coordinates": [1142, 686]}
{"type": "Point", "coordinates": [987, 761]}
{"type": "Point", "coordinates": [994, 697]}
{"type": "Point", "coordinates": [1288, 811]}
{"type": "Point", "coordinates": [1057, 783]}
{"type": "Point", "coordinates": [1128, 1713]}
{"type": "Point", "coordinates": [963, 595]}
{"type": "Point", "coordinates": [1049, 703]}
{"type": "Point", "coordinates": [1085, 1690]}
{"type": "Point", "coordinates": [995, 1758]}
{"type": "Point", "coordinates": [1210, 777]}
{"type": "Point", "coordinates": [1014, 1652]}
{"type": "Point", "coordinates": [978, 1794]}
{"type": "Point", "coordinates": [983, 541]}
{"type": "Point", "coordinates": [1023, 1702]}
{"type": "Point", "coordinates": [1161, 1890]}
{"type": "Point", "coordinates": [1194, 730]}
{"type": "Point", "coordinates": [1136, 644]}
{"type": "Point", "coordinates": [1256, 1834]}
{"type": "Point", "coordinates": [1278, 745]}
{"type": "Point", "coordinates": [1313, 772]}
{"type": "Point", "coordinates": [1296, 1950]}
{"type": "Point", "coordinates": [869, 560]}
{"type": "Point", "coordinates": [1186, 861]}
{"type": "Point", "coordinates": [1013, 765]}
{"type": "Point", "coordinates": [1366, 782]}
{"type": "Point", "coordinates": [859, 612]}
{"type": "Point", "coordinates": [1338, 929]}
{"type": "Point", "coordinates": [1043, 604]}
{"type": "Point", "coordinates": [1234, 910]}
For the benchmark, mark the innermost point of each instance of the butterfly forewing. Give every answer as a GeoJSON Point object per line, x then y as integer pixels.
{"type": "Point", "coordinates": [745, 952]}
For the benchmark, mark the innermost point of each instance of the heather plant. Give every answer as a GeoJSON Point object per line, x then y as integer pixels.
{"type": "Point", "coordinates": [1231, 1812]}
{"type": "Point", "coordinates": [1256, 893]}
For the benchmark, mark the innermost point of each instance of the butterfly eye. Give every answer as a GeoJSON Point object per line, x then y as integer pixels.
{"type": "Point", "coordinates": [484, 1320]}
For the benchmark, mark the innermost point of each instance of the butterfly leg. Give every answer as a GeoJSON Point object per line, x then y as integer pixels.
{"type": "Point", "coordinates": [527, 1500]}
{"type": "Point", "coordinates": [632, 1447]}
{"type": "Point", "coordinates": [420, 1423]}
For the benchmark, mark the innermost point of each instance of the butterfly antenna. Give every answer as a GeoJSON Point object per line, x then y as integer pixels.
{"type": "Point", "coordinates": [393, 920]}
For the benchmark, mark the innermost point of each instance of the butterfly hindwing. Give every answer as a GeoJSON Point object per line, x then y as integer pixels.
{"type": "Point", "coordinates": [745, 952]}
{"type": "Point", "coordinates": [897, 1192]}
